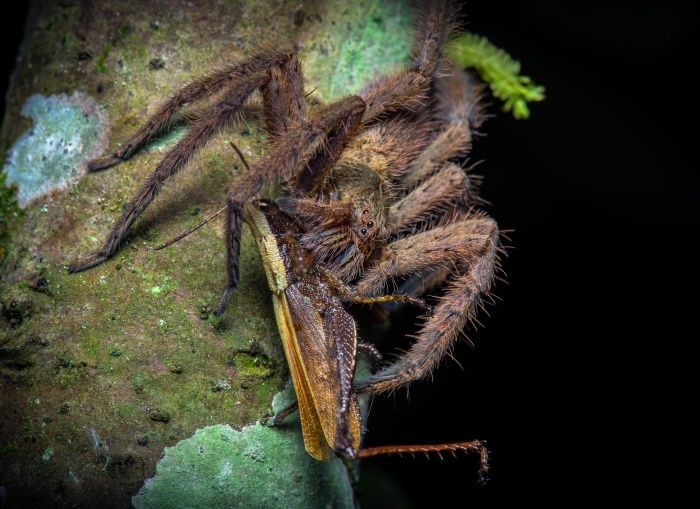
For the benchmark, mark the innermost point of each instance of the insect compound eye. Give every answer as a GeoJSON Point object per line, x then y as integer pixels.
{"type": "Point", "coordinates": [363, 232]}
{"type": "Point", "coordinates": [370, 224]}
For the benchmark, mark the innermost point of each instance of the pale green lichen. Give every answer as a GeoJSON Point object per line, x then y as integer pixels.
{"type": "Point", "coordinates": [167, 140]}
{"type": "Point", "coordinates": [67, 131]}
{"type": "Point", "coordinates": [220, 467]}
{"type": "Point", "coordinates": [353, 44]}
{"type": "Point", "coordinates": [48, 454]}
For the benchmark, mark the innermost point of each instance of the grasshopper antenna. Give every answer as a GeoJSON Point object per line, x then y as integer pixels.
{"type": "Point", "coordinates": [191, 230]}
{"type": "Point", "coordinates": [240, 154]}
{"type": "Point", "coordinates": [207, 219]}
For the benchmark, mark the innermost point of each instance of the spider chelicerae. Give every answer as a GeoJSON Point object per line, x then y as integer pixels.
{"type": "Point", "coordinates": [373, 179]}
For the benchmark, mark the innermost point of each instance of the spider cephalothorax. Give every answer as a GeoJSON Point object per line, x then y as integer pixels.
{"type": "Point", "coordinates": [346, 219]}
{"type": "Point", "coordinates": [374, 181]}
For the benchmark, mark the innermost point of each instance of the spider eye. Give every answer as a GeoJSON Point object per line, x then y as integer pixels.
{"type": "Point", "coordinates": [370, 224]}
{"type": "Point", "coordinates": [365, 212]}
{"type": "Point", "coordinates": [363, 232]}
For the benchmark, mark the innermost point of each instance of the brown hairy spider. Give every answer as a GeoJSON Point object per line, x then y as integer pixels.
{"type": "Point", "coordinates": [371, 178]}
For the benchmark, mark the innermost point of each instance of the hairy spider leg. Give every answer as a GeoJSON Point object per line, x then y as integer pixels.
{"type": "Point", "coordinates": [459, 109]}
{"type": "Point", "coordinates": [197, 90]}
{"type": "Point", "coordinates": [429, 201]}
{"type": "Point", "coordinates": [471, 246]}
{"type": "Point", "coordinates": [218, 116]}
{"type": "Point", "coordinates": [334, 144]}
{"type": "Point", "coordinates": [283, 98]}
{"type": "Point", "coordinates": [285, 82]}
{"type": "Point", "coordinates": [408, 90]}
{"type": "Point", "coordinates": [283, 159]}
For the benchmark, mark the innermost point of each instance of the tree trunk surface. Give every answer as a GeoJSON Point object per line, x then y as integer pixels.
{"type": "Point", "coordinates": [109, 373]}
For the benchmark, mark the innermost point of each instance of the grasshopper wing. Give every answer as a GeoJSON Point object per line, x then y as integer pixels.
{"type": "Point", "coordinates": [314, 440]}
{"type": "Point", "coordinates": [324, 353]}
{"type": "Point", "coordinates": [319, 341]}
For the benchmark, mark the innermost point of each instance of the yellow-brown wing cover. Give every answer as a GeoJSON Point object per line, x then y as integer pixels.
{"type": "Point", "coordinates": [312, 431]}
{"type": "Point", "coordinates": [326, 346]}
{"type": "Point", "coordinates": [321, 371]}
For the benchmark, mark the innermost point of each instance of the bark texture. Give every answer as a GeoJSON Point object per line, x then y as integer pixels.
{"type": "Point", "coordinates": [99, 371]}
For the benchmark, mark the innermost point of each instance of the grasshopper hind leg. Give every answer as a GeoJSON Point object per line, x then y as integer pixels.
{"type": "Point", "coordinates": [473, 446]}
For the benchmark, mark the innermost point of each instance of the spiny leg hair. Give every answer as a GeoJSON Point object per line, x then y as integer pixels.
{"type": "Point", "coordinates": [241, 84]}
{"type": "Point", "coordinates": [474, 240]}
{"type": "Point", "coordinates": [462, 245]}
{"type": "Point", "coordinates": [283, 158]}
{"type": "Point", "coordinates": [195, 91]}
{"type": "Point", "coordinates": [471, 246]}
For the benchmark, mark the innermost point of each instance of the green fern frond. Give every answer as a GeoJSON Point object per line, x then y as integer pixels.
{"type": "Point", "coordinates": [499, 69]}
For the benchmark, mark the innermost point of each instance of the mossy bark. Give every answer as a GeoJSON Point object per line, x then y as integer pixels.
{"type": "Point", "coordinates": [100, 370]}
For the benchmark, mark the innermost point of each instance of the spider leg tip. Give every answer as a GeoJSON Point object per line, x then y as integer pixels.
{"type": "Point", "coordinates": [86, 264]}
{"type": "Point", "coordinates": [102, 163]}
{"type": "Point", "coordinates": [225, 299]}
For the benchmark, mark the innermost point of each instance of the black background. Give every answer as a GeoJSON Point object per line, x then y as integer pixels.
{"type": "Point", "coordinates": [573, 377]}
{"type": "Point", "coordinates": [581, 359]}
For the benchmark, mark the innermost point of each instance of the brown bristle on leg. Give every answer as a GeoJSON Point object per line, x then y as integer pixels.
{"type": "Point", "coordinates": [478, 446]}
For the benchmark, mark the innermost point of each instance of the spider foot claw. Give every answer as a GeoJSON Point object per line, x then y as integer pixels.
{"type": "Point", "coordinates": [80, 266]}
{"type": "Point", "coordinates": [104, 162]}
{"type": "Point", "coordinates": [224, 301]}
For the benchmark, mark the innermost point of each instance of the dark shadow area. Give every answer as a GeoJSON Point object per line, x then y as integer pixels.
{"type": "Point", "coordinates": [598, 185]}
{"type": "Point", "coordinates": [13, 21]}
